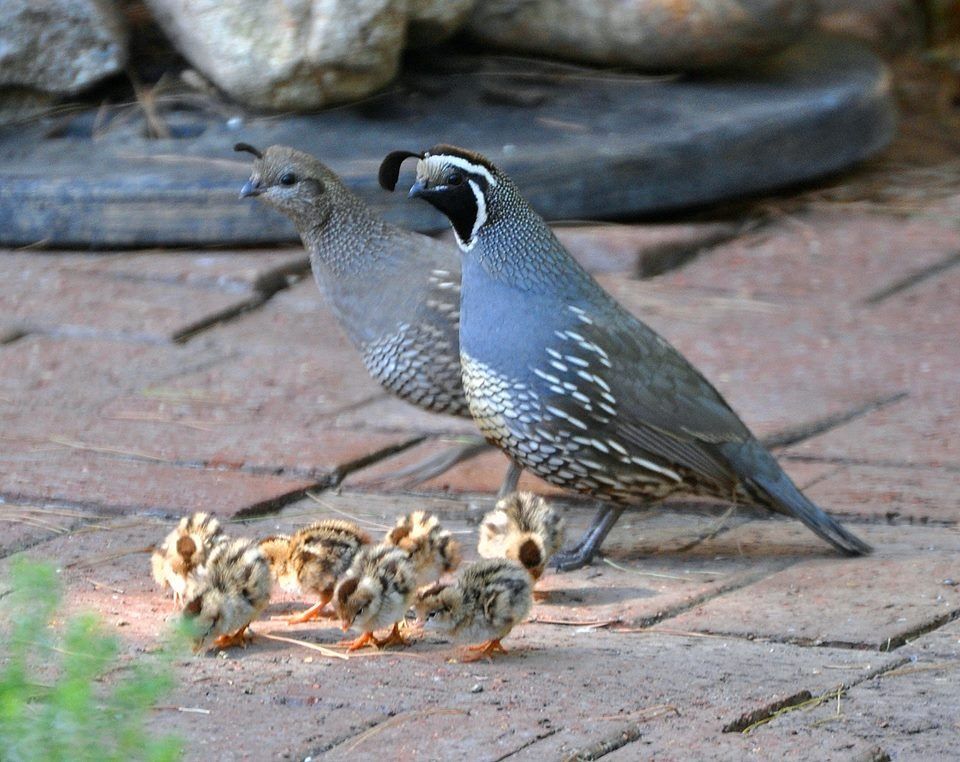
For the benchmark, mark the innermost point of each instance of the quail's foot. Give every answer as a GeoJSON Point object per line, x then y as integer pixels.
{"type": "Point", "coordinates": [484, 650]}
{"type": "Point", "coordinates": [239, 638]}
{"type": "Point", "coordinates": [364, 640]}
{"type": "Point", "coordinates": [393, 638]}
{"type": "Point", "coordinates": [314, 612]}
{"type": "Point", "coordinates": [583, 552]}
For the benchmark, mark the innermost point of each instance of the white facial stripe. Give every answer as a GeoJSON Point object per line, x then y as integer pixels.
{"type": "Point", "coordinates": [466, 166]}
{"type": "Point", "coordinates": [481, 208]}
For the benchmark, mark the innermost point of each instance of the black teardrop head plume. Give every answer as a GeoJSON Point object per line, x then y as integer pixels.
{"type": "Point", "coordinates": [248, 148]}
{"type": "Point", "coordinates": [390, 168]}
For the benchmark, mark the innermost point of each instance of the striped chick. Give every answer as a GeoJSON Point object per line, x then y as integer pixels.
{"type": "Point", "coordinates": [524, 528]}
{"type": "Point", "coordinates": [431, 548]}
{"type": "Point", "coordinates": [489, 598]}
{"type": "Point", "coordinates": [181, 556]}
{"type": "Point", "coordinates": [375, 593]}
{"type": "Point", "coordinates": [313, 559]}
{"type": "Point", "coordinates": [235, 590]}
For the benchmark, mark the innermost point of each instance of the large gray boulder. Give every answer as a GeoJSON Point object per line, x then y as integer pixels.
{"type": "Point", "coordinates": [290, 54]}
{"type": "Point", "coordinates": [432, 21]}
{"type": "Point", "coordinates": [60, 46]}
{"type": "Point", "coordinates": [650, 34]}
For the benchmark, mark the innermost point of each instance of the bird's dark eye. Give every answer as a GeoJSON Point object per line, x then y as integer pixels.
{"type": "Point", "coordinates": [454, 178]}
{"type": "Point", "coordinates": [288, 178]}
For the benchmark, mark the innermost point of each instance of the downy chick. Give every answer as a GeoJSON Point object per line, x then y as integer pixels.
{"type": "Point", "coordinates": [375, 593]}
{"type": "Point", "coordinates": [489, 598]}
{"type": "Point", "coordinates": [431, 548]}
{"type": "Point", "coordinates": [234, 591]}
{"type": "Point", "coordinates": [313, 559]}
{"type": "Point", "coordinates": [182, 554]}
{"type": "Point", "coordinates": [525, 528]}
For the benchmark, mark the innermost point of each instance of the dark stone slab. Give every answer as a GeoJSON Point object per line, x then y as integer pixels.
{"type": "Point", "coordinates": [580, 146]}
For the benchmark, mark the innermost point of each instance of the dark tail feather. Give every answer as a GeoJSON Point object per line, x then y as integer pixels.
{"type": "Point", "coordinates": [764, 478]}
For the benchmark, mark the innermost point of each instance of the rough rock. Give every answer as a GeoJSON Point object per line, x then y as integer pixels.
{"type": "Point", "coordinates": [890, 25]}
{"type": "Point", "coordinates": [60, 46]}
{"type": "Point", "coordinates": [432, 21]}
{"type": "Point", "coordinates": [650, 34]}
{"type": "Point", "coordinates": [22, 103]}
{"type": "Point", "coordinates": [299, 54]}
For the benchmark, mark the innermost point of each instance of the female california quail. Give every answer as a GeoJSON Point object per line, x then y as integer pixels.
{"type": "Point", "coordinates": [578, 390]}
{"type": "Point", "coordinates": [395, 293]}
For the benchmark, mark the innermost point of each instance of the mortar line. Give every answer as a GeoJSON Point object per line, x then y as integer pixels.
{"type": "Point", "coordinates": [792, 436]}
{"type": "Point", "coordinates": [846, 461]}
{"type": "Point", "coordinates": [912, 280]}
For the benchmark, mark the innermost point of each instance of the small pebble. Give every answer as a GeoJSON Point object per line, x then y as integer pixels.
{"type": "Point", "coordinates": [477, 688]}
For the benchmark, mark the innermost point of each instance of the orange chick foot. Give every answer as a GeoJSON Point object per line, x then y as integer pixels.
{"type": "Point", "coordinates": [365, 639]}
{"type": "Point", "coordinates": [314, 612]}
{"type": "Point", "coordinates": [394, 638]}
{"type": "Point", "coordinates": [484, 650]}
{"type": "Point", "coordinates": [239, 638]}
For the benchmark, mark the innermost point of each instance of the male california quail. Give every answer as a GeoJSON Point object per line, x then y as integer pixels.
{"type": "Point", "coordinates": [570, 384]}
{"type": "Point", "coordinates": [395, 293]}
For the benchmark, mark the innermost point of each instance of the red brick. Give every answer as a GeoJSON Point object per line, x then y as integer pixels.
{"type": "Point", "coordinates": [639, 249]}
{"type": "Point", "coordinates": [824, 256]}
{"type": "Point", "coordinates": [918, 431]}
{"type": "Point", "coordinates": [240, 271]}
{"type": "Point", "coordinates": [879, 492]}
{"type": "Point", "coordinates": [45, 294]}
{"type": "Point", "coordinates": [45, 373]}
{"type": "Point", "coordinates": [864, 602]}
{"type": "Point", "coordinates": [104, 483]}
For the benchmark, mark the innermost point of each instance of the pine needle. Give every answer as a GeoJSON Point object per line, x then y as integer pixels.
{"type": "Point", "coordinates": [312, 646]}
{"type": "Point", "coordinates": [656, 575]}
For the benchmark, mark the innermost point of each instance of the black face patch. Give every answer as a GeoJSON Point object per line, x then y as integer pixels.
{"type": "Point", "coordinates": [186, 547]}
{"type": "Point", "coordinates": [458, 203]}
{"type": "Point", "coordinates": [530, 555]}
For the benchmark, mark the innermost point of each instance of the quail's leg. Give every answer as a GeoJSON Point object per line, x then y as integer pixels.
{"type": "Point", "coordinates": [439, 464]}
{"type": "Point", "coordinates": [510, 480]}
{"type": "Point", "coordinates": [484, 650]}
{"type": "Point", "coordinates": [314, 612]}
{"type": "Point", "coordinates": [365, 639]}
{"type": "Point", "coordinates": [582, 553]}
{"type": "Point", "coordinates": [394, 638]}
{"type": "Point", "coordinates": [236, 639]}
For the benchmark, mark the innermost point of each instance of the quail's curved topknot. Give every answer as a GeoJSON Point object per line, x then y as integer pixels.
{"type": "Point", "coordinates": [247, 148]}
{"type": "Point", "coordinates": [390, 168]}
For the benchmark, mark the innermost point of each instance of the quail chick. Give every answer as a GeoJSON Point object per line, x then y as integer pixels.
{"type": "Point", "coordinates": [524, 528]}
{"type": "Point", "coordinates": [182, 554]}
{"type": "Point", "coordinates": [313, 559]}
{"type": "Point", "coordinates": [234, 591]}
{"type": "Point", "coordinates": [375, 593]}
{"type": "Point", "coordinates": [431, 548]}
{"type": "Point", "coordinates": [489, 598]}
{"type": "Point", "coordinates": [276, 549]}
{"type": "Point", "coordinates": [571, 385]}
{"type": "Point", "coordinates": [395, 293]}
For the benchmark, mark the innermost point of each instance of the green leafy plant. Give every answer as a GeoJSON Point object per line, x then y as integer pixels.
{"type": "Point", "coordinates": [63, 695]}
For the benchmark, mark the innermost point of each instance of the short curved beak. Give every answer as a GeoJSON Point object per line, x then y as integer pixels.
{"type": "Point", "coordinates": [250, 188]}
{"type": "Point", "coordinates": [418, 189]}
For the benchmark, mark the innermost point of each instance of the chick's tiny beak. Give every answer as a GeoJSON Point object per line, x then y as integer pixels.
{"type": "Point", "coordinates": [250, 188]}
{"type": "Point", "coordinates": [418, 189]}
{"type": "Point", "coordinates": [345, 626]}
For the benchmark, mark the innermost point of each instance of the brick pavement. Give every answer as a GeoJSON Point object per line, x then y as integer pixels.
{"type": "Point", "coordinates": [138, 386]}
